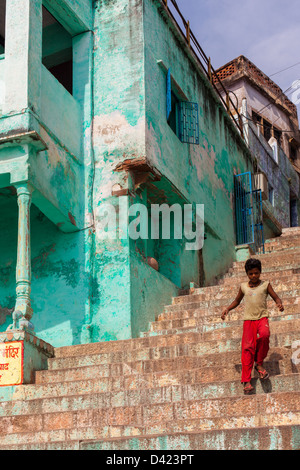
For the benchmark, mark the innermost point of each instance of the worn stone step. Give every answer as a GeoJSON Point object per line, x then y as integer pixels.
{"type": "Point", "coordinates": [269, 265]}
{"type": "Point", "coordinates": [191, 408]}
{"type": "Point", "coordinates": [259, 438]}
{"type": "Point", "coordinates": [136, 388]}
{"type": "Point", "coordinates": [292, 289]}
{"type": "Point", "coordinates": [60, 445]}
{"type": "Point", "coordinates": [285, 257]}
{"type": "Point", "coordinates": [287, 297]}
{"type": "Point", "coordinates": [277, 246]}
{"type": "Point", "coordinates": [222, 290]}
{"type": "Point", "coordinates": [272, 272]}
{"type": "Point", "coordinates": [201, 325]}
{"type": "Point", "coordinates": [214, 315]}
{"type": "Point", "coordinates": [290, 231]}
{"type": "Point", "coordinates": [212, 322]}
{"type": "Point", "coordinates": [277, 409]}
{"type": "Point", "coordinates": [160, 372]}
{"type": "Point", "coordinates": [189, 344]}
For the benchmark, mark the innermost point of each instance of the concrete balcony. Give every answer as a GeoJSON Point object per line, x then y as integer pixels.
{"type": "Point", "coordinates": [42, 136]}
{"type": "Point", "coordinates": [41, 123]}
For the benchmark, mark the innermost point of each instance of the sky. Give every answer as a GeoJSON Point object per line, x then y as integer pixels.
{"type": "Point", "coordinates": [267, 32]}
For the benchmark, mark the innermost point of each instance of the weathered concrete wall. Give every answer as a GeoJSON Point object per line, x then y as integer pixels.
{"type": "Point", "coordinates": [202, 173]}
{"type": "Point", "coordinates": [129, 124]}
{"type": "Point", "coordinates": [85, 285]}
{"type": "Point", "coordinates": [59, 282]}
{"type": "Point", "coordinates": [53, 162]}
{"type": "Point", "coordinates": [118, 134]}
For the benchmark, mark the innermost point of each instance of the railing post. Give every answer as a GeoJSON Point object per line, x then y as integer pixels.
{"type": "Point", "coordinates": [227, 101]}
{"type": "Point", "coordinates": [209, 70]}
{"type": "Point", "coordinates": [188, 33]}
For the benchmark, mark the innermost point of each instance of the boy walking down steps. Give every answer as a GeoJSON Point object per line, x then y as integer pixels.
{"type": "Point", "coordinates": [256, 333]}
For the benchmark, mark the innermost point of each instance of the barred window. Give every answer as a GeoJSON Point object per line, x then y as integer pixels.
{"type": "Point", "coordinates": [182, 116]}
{"type": "Point", "coordinates": [188, 122]}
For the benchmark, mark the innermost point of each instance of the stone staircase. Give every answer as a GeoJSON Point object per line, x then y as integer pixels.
{"type": "Point", "coordinates": [177, 387]}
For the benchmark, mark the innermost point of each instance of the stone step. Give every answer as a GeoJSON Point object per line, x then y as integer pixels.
{"type": "Point", "coordinates": [224, 290]}
{"type": "Point", "coordinates": [139, 389]}
{"type": "Point", "coordinates": [186, 344]}
{"type": "Point", "coordinates": [210, 322]}
{"type": "Point", "coordinates": [291, 289]}
{"type": "Point", "coordinates": [289, 255]}
{"type": "Point", "coordinates": [276, 245]}
{"type": "Point", "coordinates": [160, 372]}
{"type": "Point", "coordinates": [287, 297]}
{"type": "Point", "coordinates": [259, 438]}
{"type": "Point", "coordinates": [178, 385]}
{"type": "Point", "coordinates": [274, 409]}
{"type": "Point", "coordinates": [290, 231]}
{"type": "Point", "coordinates": [180, 395]}
{"type": "Point", "coordinates": [201, 325]}
{"type": "Point", "coordinates": [279, 261]}
{"type": "Point", "coordinates": [213, 315]}
{"type": "Point", "coordinates": [272, 273]}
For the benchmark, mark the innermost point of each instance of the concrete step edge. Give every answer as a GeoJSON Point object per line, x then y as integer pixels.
{"type": "Point", "coordinates": [285, 437]}
{"type": "Point", "coordinates": [177, 363]}
{"type": "Point", "coordinates": [192, 348]}
{"type": "Point", "coordinates": [228, 387]}
{"type": "Point", "coordinates": [170, 427]}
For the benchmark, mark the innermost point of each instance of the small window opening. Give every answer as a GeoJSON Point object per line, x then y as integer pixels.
{"type": "Point", "coordinates": [293, 152]}
{"type": "Point", "coordinates": [2, 26]}
{"type": "Point", "coordinates": [293, 213]}
{"type": "Point", "coordinates": [271, 195]}
{"type": "Point", "coordinates": [278, 135]}
{"type": "Point", "coordinates": [57, 50]}
{"type": "Point", "coordinates": [266, 128]}
{"type": "Point", "coordinates": [182, 116]}
{"type": "Point", "coordinates": [172, 120]}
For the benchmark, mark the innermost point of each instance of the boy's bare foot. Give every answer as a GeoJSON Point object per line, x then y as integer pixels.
{"type": "Point", "coordinates": [263, 374]}
{"type": "Point", "coordinates": [248, 387]}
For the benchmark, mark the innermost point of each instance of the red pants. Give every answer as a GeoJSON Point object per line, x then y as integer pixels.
{"type": "Point", "coordinates": [254, 349]}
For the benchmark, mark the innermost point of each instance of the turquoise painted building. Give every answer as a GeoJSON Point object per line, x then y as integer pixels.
{"type": "Point", "coordinates": [104, 104]}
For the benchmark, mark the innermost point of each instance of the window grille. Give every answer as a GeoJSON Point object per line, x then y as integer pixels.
{"type": "Point", "coordinates": [188, 122]}
{"type": "Point", "coordinates": [182, 116]}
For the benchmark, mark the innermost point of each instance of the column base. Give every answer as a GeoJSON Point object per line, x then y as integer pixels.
{"type": "Point", "coordinates": [21, 354]}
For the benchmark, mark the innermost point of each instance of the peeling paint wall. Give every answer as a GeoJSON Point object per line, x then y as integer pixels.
{"type": "Point", "coordinates": [202, 173]}
{"type": "Point", "coordinates": [112, 144]}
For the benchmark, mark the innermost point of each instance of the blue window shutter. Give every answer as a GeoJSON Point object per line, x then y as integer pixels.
{"type": "Point", "coordinates": [169, 98]}
{"type": "Point", "coordinates": [188, 122]}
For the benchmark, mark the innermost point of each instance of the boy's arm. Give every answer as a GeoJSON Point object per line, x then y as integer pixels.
{"type": "Point", "coordinates": [234, 304]}
{"type": "Point", "coordinates": [275, 297]}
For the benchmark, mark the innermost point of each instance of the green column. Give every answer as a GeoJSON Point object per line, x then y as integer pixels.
{"type": "Point", "coordinates": [23, 311]}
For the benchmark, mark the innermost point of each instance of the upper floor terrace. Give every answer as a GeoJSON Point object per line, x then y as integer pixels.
{"type": "Point", "coordinates": [45, 49]}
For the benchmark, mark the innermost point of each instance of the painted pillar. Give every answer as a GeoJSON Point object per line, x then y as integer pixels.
{"type": "Point", "coordinates": [23, 311]}
{"type": "Point", "coordinates": [23, 55]}
{"type": "Point", "coordinates": [82, 92]}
